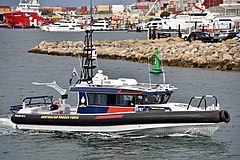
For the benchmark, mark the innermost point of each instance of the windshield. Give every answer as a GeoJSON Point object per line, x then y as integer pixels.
{"type": "Point", "coordinates": [152, 99]}
{"type": "Point", "coordinates": [38, 100]}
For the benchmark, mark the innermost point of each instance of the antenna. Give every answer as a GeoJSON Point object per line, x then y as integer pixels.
{"type": "Point", "coordinates": [164, 77]}
{"type": "Point", "coordinates": [163, 71]}
{"type": "Point", "coordinates": [149, 74]}
{"type": "Point", "coordinates": [91, 18]}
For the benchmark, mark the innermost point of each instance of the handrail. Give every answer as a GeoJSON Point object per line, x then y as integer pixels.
{"type": "Point", "coordinates": [201, 99]}
{"type": "Point", "coordinates": [15, 108]}
{"type": "Point", "coordinates": [44, 98]}
{"type": "Point", "coordinates": [212, 96]}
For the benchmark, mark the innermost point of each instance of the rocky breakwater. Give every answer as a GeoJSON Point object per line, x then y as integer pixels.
{"type": "Point", "coordinates": [175, 52]}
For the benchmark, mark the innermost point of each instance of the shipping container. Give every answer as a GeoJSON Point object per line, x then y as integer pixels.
{"type": "Point", "coordinates": [71, 8]}
{"type": "Point", "coordinates": [5, 8]}
{"type": "Point", "coordinates": [211, 3]}
{"type": "Point", "coordinates": [143, 7]}
{"type": "Point", "coordinates": [138, 1]}
{"type": "Point", "coordinates": [55, 9]}
{"type": "Point", "coordinates": [116, 9]}
{"type": "Point", "coordinates": [94, 9]}
{"type": "Point", "coordinates": [103, 8]}
{"type": "Point", "coordinates": [83, 9]}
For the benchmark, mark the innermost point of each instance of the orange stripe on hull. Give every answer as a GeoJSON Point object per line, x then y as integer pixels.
{"type": "Point", "coordinates": [109, 117]}
{"type": "Point", "coordinates": [119, 109]}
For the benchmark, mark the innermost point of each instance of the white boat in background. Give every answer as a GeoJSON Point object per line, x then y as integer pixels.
{"type": "Point", "coordinates": [156, 23]}
{"type": "Point", "coordinates": [201, 20]}
{"type": "Point", "coordinates": [224, 23]}
{"type": "Point", "coordinates": [64, 26]}
{"type": "Point", "coordinates": [101, 25]}
{"type": "Point", "coordinates": [188, 20]}
{"type": "Point", "coordinates": [29, 6]}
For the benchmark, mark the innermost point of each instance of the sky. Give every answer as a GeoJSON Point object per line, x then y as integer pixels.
{"type": "Point", "coordinates": [70, 3]}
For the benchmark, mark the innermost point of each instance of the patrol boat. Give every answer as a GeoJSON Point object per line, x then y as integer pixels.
{"type": "Point", "coordinates": [120, 105]}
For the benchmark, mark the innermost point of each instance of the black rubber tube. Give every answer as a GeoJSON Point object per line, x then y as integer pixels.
{"type": "Point", "coordinates": [225, 116]}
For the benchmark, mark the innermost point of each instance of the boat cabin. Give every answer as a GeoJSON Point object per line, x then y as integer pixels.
{"type": "Point", "coordinates": [118, 95]}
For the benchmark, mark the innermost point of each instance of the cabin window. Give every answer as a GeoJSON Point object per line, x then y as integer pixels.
{"type": "Point", "coordinates": [147, 99]}
{"type": "Point", "coordinates": [111, 100]}
{"type": "Point", "coordinates": [125, 100]}
{"type": "Point", "coordinates": [102, 99]}
{"type": "Point", "coordinates": [165, 98]}
{"type": "Point", "coordinates": [152, 99]}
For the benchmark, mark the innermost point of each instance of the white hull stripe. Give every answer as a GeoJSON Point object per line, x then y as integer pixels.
{"type": "Point", "coordinates": [117, 128]}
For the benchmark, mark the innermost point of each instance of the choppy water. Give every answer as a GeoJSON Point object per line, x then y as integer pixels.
{"type": "Point", "coordinates": [18, 69]}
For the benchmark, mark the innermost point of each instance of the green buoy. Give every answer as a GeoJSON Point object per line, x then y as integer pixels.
{"type": "Point", "coordinates": [156, 68]}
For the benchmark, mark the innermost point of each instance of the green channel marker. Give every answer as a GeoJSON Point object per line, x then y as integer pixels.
{"type": "Point", "coordinates": [156, 68]}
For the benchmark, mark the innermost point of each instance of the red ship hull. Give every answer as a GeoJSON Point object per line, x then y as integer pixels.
{"type": "Point", "coordinates": [18, 19]}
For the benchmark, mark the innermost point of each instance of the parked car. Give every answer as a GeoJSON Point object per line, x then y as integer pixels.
{"type": "Point", "coordinates": [237, 37]}
{"type": "Point", "coordinates": [202, 36]}
{"type": "Point", "coordinates": [224, 35]}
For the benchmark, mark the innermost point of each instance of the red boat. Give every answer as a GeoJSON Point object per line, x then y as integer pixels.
{"type": "Point", "coordinates": [27, 15]}
{"type": "Point", "coordinates": [18, 19]}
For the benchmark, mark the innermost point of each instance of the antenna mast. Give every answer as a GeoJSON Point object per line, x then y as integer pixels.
{"type": "Point", "coordinates": [89, 55]}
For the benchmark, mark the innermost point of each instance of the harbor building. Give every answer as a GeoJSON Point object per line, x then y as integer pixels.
{"type": "Point", "coordinates": [231, 6]}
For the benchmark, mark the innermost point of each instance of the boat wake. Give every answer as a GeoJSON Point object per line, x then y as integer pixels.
{"type": "Point", "coordinates": [114, 136]}
{"type": "Point", "coordinates": [6, 125]}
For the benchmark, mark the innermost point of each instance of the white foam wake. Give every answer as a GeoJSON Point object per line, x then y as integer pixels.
{"type": "Point", "coordinates": [6, 126]}
{"type": "Point", "coordinates": [6, 122]}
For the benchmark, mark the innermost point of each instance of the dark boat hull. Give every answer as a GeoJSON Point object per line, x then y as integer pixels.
{"type": "Point", "coordinates": [149, 117]}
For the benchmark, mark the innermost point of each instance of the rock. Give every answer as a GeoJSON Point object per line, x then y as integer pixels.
{"type": "Point", "coordinates": [186, 52]}
{"type": "Point", "coordinates": [175, 52]}
{"type": "Point", "coordinates": [224, 49]}
{"type": "Point", "coordinates": [227, 57]}
{"type": "Point", "coordinates": [215, 55]}
{"type": "Point", "coordinates": [234, 50]}
{"type": "Point", "coordinates": [212, 47]}
{"type": "Point", "coordinates": [238, 60]}
{"type": "Point", "coordinates": [194, 50]}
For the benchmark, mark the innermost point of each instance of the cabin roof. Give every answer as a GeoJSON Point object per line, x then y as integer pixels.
{"type": "Point", "coordinates": [135, 89]}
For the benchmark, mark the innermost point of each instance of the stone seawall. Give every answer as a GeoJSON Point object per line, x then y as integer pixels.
{"type": "Point", "coordinates": [175, 52]}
